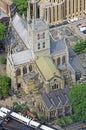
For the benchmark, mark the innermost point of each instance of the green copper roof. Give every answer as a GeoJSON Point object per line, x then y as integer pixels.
{"type": "Point", "coordinates": [47, 68]}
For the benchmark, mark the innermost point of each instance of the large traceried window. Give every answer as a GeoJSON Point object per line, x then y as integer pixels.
{"type": "Point", "coordinates": [55, 86]}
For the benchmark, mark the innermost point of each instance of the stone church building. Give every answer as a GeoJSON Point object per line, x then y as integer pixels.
{"type": "Point", "coordinates": [34, 42]}
{"type": "Point", "coordinates": [40, 65]}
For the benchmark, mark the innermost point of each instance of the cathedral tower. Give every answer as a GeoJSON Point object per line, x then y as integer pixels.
{"type": "Point", "coordinates": [38, 35]}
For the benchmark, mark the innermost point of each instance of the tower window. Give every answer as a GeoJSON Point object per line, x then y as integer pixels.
{"type": "Point", "coordinates": [38, 46]}
{"type": "Point", "coordinates": [43, 35]}
{"type": "Point", "coordinates": [38, 36]}
{"type": "Point", "coordinates": [43, 44]}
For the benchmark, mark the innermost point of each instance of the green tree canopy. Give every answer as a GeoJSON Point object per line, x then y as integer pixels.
{"type": "Point", "coordinates": [78, 101]}
{"type": "Point", "coordinates": [20, 107]}
{"type": "Point", "coordinates": [80, 47]}
{"type": "Point", "coordinates": [5, 83]}
{"type": "Point", "coordinates": [64, 121]}
{"type": "Point", "coordinates": [21, 6]}
{"type": "Point", "coordinates": [2, 31]}
{"type": "Point", "coordinates": [3, 60]}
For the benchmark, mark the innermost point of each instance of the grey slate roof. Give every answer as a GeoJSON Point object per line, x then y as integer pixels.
{"type": "Point", "coordinates": [26, 78]}
{"type": "Point", "coordinates": [56, 98]}
{"type": "Point", "coordinates": [76, 62]}
{"type": "Point", "coordinates": [32, 74]}
{"type": "Point", "coordinates": [46, 101]}
{"type": "Point", "coordinates": [20, 25]}
{"type": "Point", "coordinates": [57, 47]}
{"type": "Point", "coordinates": [21, 57]}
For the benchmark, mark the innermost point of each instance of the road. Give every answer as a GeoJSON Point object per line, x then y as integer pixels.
{"type": "Point", "coordinates": [76, 126]}
{"type": "Point", "coordinates": [15, 125]}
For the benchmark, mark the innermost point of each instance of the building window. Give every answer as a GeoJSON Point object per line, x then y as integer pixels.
{"type": "Point", "coordinates": [63, 60]}
{"type": "Point", "coordinates": [18, 72]}
{"type": "Point", "coordinates": [43, 44]}
{"type": "Point", "coordinates": [60, 112]}
{"type": "Point", "coordinates": [30, 68]}
{"type": "Point", "coordinates": [53, 60]}
{"type": "Point", "coordinates": [67, 110]}
{"type": "Point", "coordinates": [54, 79]}
{"type": "Point", "coordinates": [38, 46]}
{"type": "Point", "coordinates": [18, 85]}
{"type": "Point", "coordinates": [55, 86]}
{"type": "Point", "coordinates": [43, 35]}
{"type": "Point", "coordinates": [38, 36]}
{"type": "Point", "coordinates": [52, 114]}
{"type": "Point", "coordinates": [24, 70]}
{"type": "Point", "coordinates": [78, 75]}
{"type": "Point", "coordinates": [58, 61]}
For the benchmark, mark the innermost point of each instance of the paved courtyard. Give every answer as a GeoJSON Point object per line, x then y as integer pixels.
{"type": "Point", "coordinates": [67, 33]}
{"type": "Point", "coordinates": [70, 32]}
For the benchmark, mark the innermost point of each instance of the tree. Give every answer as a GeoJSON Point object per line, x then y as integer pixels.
{"type": "Point", "coordinates": [3, 60]}
{"type": "Point", "coordinates": [35, 113]}
{"type": "Point", "coordinates": [15, 104]}
{"type": "Point", "coordinates": [21, 6]}
{"type": "Point", "coordinates": [43, 118]}
{"type": "Point", "coordinates": [80, 47]}
{"type": "Point", "coordinates": [64, 121]}
{"type": "Point", "coordinates": [26, 108]}
{"type": "Point", "coordinates": [2, 35]}
{"type": "Point", "coordinates": [78, 101]}
{"type": "Point", "coordinates": [5, 83]}
{"type": "Point", "coordinates": [2, 31]}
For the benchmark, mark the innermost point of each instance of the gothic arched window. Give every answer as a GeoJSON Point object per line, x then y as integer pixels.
{"type": "Point", "coordinates": [63, 60]}
{"type": "Point", "coordinates": [58, 61]}
{"type": "Point", "coordinates": [24, 70]}
{"type": "Point", "coordinates": [30, 68]}
{"type": "Point", "coordinates": [18, 72]}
